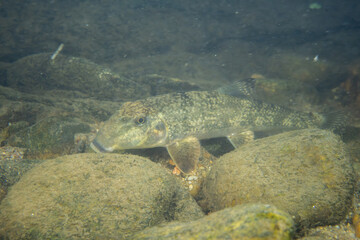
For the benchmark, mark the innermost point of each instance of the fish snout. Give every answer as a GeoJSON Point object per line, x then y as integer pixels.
{"type": "Point", "coordinates": [97, 147]}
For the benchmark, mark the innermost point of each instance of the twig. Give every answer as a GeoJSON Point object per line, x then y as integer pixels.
{"type": "Point", "coordinates": [58, 50]}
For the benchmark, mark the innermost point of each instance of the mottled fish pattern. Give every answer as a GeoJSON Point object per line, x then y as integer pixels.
{"type": "Point", "coordinates": [178, 121]}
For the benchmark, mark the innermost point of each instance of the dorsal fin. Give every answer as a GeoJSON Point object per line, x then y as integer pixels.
{"type": "Point", "coordinates": [241, 88]}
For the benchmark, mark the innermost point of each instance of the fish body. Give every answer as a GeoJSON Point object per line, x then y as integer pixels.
{"type": "Point", "coordinates": [178, 121]}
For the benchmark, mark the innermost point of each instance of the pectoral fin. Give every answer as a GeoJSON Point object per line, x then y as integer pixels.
{"type": "Point", "coordinates": [185, 153]}
{"type": "Point", "coordinates": [241, 138]}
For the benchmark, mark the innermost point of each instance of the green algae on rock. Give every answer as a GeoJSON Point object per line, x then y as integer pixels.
{"type": "Point", "coordinates": [93, 196]}
{"type": "Point", "coordinates": [307, 173]}
{"type": "Point", "coordinates": [248, 221]}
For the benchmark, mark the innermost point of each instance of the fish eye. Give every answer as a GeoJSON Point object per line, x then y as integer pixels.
{"type": "Point", "coordinates": [140, 120]}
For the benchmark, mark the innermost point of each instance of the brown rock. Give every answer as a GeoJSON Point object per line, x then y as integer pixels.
{"type": "Point", "coordinates": [307, 173]}
{"type": "Point", "coordinates": [93, 196]}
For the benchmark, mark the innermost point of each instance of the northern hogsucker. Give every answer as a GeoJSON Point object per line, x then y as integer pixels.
{"type": "Point", "coordinates": [178, 121]}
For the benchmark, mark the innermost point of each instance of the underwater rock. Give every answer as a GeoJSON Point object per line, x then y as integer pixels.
{"type": "Point", "coordinates": [248, 221]}
{"type": "Point", "coordinates": [107, 196]}
{"type": "Point", "coordinates": [286, 93]}
{"type": "Point", "coordinates": [307, 173]}
{"type": "Point", "coordinates": [299, 69]}
{"type": "Point", "coordinates": [38, 73]}
{"type": "Point", "coordinates": [12, 167]}
{"type": "Point", "coordinates": [46, 123]}
{"type": "Point", "coordinates": [49, 137]}
{"type": "Point", "coordinates": [341, 231]}
{"type": "Point", "coordinates": [18, 106]}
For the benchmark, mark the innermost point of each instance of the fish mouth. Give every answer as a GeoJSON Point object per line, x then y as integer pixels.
{"type": "Point", "coordinates": [98, 148]}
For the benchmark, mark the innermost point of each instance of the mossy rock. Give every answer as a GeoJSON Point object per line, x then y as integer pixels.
{"type": "Point", "coordinates": [307, 173]}
{"type": "Point", "coordinates": [104, 196]}
{"type": "Point", "coordinates": [248, 221]}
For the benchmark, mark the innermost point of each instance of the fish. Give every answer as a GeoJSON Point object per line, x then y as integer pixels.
{"type": "Point", "coordinates": [178, 121]}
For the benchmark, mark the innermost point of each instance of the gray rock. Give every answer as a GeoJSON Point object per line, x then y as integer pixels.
{"type": "Point", "coordinates": [93, 196]}
{"type": "Point", "coordinates": [247, 221]}
{"type": "Point", "coordinates": [307, 173]}
{"type": "Point", "coordinates": [49, 137]}
{"type": "Point", "coordinates": [18, 106]}
{"type": "Point", "coordinates": [46, 124]}
{"type": "Point", "coordinates": [38, 73]}
{"type": "Point", "coordinates": [12, 167]}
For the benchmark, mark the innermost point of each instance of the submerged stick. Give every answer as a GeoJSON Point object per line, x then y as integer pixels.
{"type": "Point", "coordinates": [58, 50]}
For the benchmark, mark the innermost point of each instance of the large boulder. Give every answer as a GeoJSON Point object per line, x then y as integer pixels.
{"type": "Point", "coordinates": [307, 173]}
{"type": "Point", "coordinates": [93, 196]}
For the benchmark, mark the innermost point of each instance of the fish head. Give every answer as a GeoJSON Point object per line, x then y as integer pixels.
{"type": "Point", "coordinates": [133, 126]}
